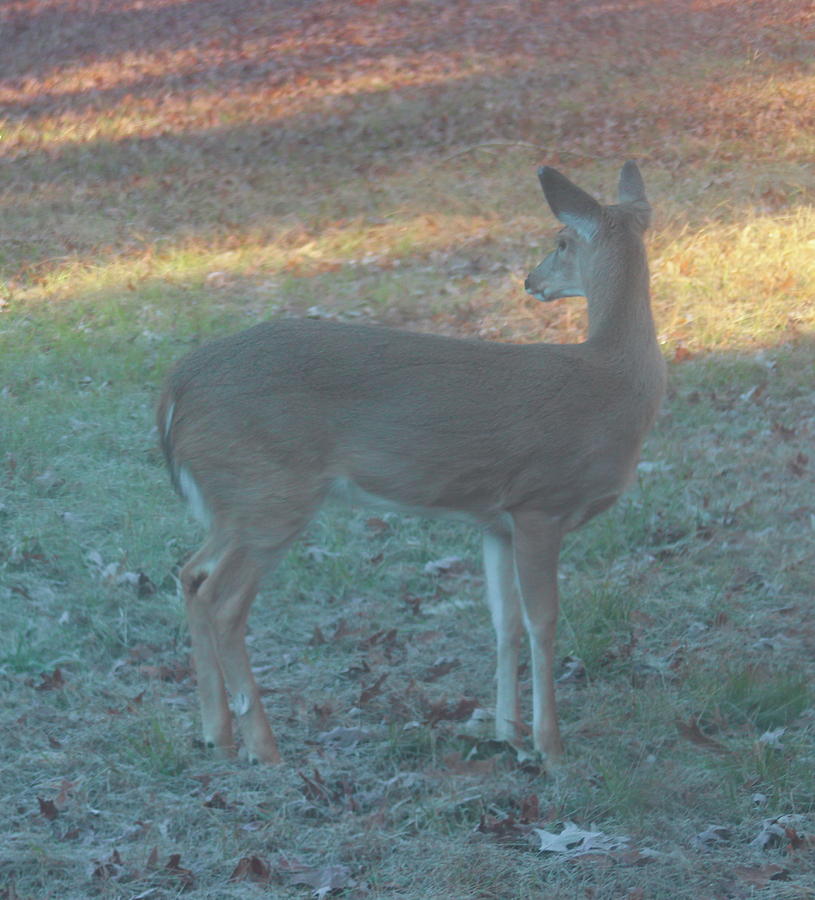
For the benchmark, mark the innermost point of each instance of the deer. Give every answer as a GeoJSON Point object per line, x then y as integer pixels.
{"type": "Point", "coordinates": [526, 441]}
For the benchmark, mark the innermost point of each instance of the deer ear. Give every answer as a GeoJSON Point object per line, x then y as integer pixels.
{"type": "Point", "coordinates": [571, 205]}
{"type": "Point", "coordinates": [632, 194]}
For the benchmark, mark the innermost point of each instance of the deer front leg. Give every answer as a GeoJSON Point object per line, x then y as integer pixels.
{"type": "Point", "coordinates": [505, 609]}
{"type": "Point", "coordinates": [536, 541]}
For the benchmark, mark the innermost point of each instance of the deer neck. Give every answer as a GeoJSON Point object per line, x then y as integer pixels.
{"type": "Point", "coordinates": [619, 306]}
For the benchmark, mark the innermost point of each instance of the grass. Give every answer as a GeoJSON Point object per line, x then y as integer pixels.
{"type": "Point", "coordinates": [164, 185]}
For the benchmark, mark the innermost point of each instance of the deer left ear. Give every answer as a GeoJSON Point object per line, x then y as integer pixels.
{"type": "Point", "coordinates": [631, 194]}
{"type": "Point", "coordinates": [570, 204]}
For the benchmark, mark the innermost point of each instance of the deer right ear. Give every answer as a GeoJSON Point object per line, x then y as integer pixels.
{"type": "Point", "coordinates": [632, 194]}
{"type": "Point", "coordinates": [571, 205]}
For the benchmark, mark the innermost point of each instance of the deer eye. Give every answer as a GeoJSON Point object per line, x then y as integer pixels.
{"type": "Point", "coordinates": [561, 244]}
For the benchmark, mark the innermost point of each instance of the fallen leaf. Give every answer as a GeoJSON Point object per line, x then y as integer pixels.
{"type": "Point", "coordinates": [772, 738]}
{"type": "Point", "coordinates": [345, 737]}
{"type": "Point", "coordinates": [448, 565]}
{"type": "Point", "coordinates": [48, 809]}
{"type": "Point", "coordinates": [573, 842]}
{"type": "Point", "coordinates": [377, 524]}
{"type": "Point", "coordinates": [252, 868]}
{"type": "Point", "coordinates": [711, 836]}
{"type": "Point", "coordinates": [529, 809]}
{"type": "Point", "coordinates": [508, 827]}
{"type": "Point", "coordinates": [786, 434]}
{"type": "Point", "coordinates": [111, 870]}
{"type": "Point", "coordinates": [782, 831]}
{"type": "Point", "coordinates": [451, 712]}
{"type": "Point", "coordinates": [315, 788]}
{"type": "Point", "coordinates": [317, 637]}
{"type": "Point", "coordinates": [456, 764]}
{"type": "Point", "coordinates": [440, 667]}
{"type": "Point", "coordinates": [144, 586]}
{"type": "Point", "coordinates": [217, 801]}
{"type": "Point", "coordinates": [377, 638]}
{"type": "Point", "coordinates": [372, 690]}
{"type": "Point", "coordinates": [691, 732]}
{"type": "Point", "coordinates": [185, 876]}
{"type": "Point", "coordinates": [51, 682]}
{"type": "Point", "coordinates": [798, 465]}
{"type": "Point", "coordinates": [573, 671]}
{"type": "Point", "coordinates": [177, 672]}
{"type": "Point", "coordinates": [323, 879]}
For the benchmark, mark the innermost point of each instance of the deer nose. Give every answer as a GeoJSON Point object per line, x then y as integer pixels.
{"type": "Point", "coordinates": [526, 283]}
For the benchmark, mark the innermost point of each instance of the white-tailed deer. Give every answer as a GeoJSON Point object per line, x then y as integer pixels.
{"type": "Point", "coordinates": [527, 441]}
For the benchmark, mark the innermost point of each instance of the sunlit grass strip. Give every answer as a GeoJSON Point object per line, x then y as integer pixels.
{"type": "Point", "coordinates": [723, 287]}
{"type": "Point", "coordinates": [293, 251]}
{"type": "Point", "coordinates": [728, 286]}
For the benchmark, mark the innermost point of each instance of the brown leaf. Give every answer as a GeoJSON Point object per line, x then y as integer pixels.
{"type": "Point", "coordinates": [786, 434]}
{"type": "Point", "coordinates": [378, 638]}
{"type": "Point", "coordinates": [456, 764]}
{"type": "Point", "coordinates": [413, 603]}
{"type": "Point", "coordinates": [682, 354]}
{"type": "Point", "coordinates": [317, 637]}
{"type": "Point", "coordinates": [377, 524]}
{"type": "Point", "coordinates": [440, 667]}
{"type": "Point", "coordinates": [252, 868]}
{"type": "Point", "coordinates": [113, 869]}
{"type": "Point", "coordinates": [185, 876]}
{"type": "Point", "coordinates": [65, 789]}
{"type": "Point", "coordinates": [372, 690]}
{"type": "Point", "coordinates": [798, 465]}
{"type": "Point", "coordinates": [48, 808]}
{"type": "Point", "coordinates": [448, 565]}
{"type": "Point", "coordinates": [446, 711]}
{"type": "Point", "coordinates": [691, 732]}
{"type": "Point", "coordinates": [507, 827]}
{"type": "Point", "coordinates": [529, 809]}
{"type": "Point", "coordinates": [144, 586]}
{"type": "Point", "coordinates": [341, 629]}
{"type": "Point", "coordinates": [315, 788]}
{"type": "Point", "coordinates": [323, 879]}
{"type": "Point", "coordinates": [177, 672]}
{"type": "Point", "coordinates": [51, 682]}
{"type": "Point", "coordinates": [217, 801]}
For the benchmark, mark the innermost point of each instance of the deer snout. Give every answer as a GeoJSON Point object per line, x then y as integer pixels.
{"type": "Point", "coordinates": [531, 286]}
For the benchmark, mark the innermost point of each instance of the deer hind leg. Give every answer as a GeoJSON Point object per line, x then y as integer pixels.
{"type": "Point", "coordinates": [215, 715]}
{"type": "Point", "coordinates": [505, 608]}
{"type": "Point", "coordinates": [219, 589]}
{"type": "Point", "coordinates": [536, 542]}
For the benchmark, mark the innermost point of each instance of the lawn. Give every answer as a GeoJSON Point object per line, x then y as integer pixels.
{"type": "Point", "coordinates": [174, 170]}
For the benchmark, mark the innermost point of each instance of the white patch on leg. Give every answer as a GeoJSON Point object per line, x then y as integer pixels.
{"type": "Point", "coordinates": [168, 421]}
{"type": "Point", "coordinates": [193, 496]}
{"type": "Point", "coordinates": [241, 704]}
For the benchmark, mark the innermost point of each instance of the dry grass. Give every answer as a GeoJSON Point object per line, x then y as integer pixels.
{"type": "Point", "coordinates": [228, 163]}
